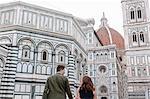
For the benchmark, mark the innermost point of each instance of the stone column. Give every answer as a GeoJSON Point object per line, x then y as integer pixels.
{"type": "Point", "coordinates": [71, 73]}
{"type": "Point", "coordinates": [9, 72]}
{"type": "Point", "coordinates": [53, 62]}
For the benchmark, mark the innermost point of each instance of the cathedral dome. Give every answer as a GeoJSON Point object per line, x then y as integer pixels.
{"type": "Point", "coordinates": [109, 35]}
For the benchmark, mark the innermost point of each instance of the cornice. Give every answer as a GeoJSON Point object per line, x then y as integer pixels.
{"type": "Point", "coordinates": [108, 47]}
{"type": "Point", "coordinates": [41, 32]}
{"type": "Point", "coordinates": [137, 49]}
{"type": "Point", "coordinates": [33, 6]}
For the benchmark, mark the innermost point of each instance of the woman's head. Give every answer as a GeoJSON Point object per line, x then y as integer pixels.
{"type": "Point", "coordinates": [87, 83]}
{"type": "Point", "coordinates": [86, 80]}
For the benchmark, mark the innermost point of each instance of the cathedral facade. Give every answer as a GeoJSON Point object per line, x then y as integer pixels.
{"type": "Point", "coordinates": [105, 62]}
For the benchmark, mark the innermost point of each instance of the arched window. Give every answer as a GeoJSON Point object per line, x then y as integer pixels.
{"type": "Point", "coordinates": [26, 52]}
{"type": "Point", "coordinates": [48, 70]}
{"type": "Point", "coordinates": [132, 12]}
{"type": "Point", "coordinates": [44, 55]}
{"type": "Point", "coordinates": [38, 69]}
{"type": "Point", "coordinates": [43, 70]}
{"type": "Point", "coordinates": [134, 37]}
{"type": "Point", "coordinates": [141, 36]}
{"type": "Point", "coordinates": [139, 12]}
{"type": "Point", "coordinates": [24, 68]}
{"type": "Point", "coordinates": [103, 89]}
{"type": "Point", "coordinates": [1, 63]}
{"type": "Point", "coordinates": [61, 57]}
{"type": "Point", "coordinates": [112, 55]}
{"type": "Point", "coordinates": [30, 68]}
{"type": "Point", "coordinates": [19, 67]}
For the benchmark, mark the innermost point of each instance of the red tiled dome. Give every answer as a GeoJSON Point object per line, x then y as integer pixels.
{"type": "Point", "coordinates": [103, 34]}
{"type": "Point", "coordinates": [108, 35]}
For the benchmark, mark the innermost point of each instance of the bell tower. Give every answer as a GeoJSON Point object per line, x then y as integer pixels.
{"type": "Point", "coordinates": [136, 18]}
{"type": "Point", "coordinates": [136, 24]}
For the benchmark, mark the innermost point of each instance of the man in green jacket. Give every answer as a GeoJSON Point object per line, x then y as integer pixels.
{"type": "Point", "coordinates": [57, 86]}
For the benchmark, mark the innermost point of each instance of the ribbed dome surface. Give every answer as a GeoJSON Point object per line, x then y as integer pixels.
{"type": "Point", "coordinates": [109, 36]}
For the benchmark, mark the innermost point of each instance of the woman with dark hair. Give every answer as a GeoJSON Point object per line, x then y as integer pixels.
{"type": "Point", "coordinates": [86, 90]}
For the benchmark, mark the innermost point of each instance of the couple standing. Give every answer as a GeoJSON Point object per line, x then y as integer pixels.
{"type": "Point", "coordinates": [57, 86]}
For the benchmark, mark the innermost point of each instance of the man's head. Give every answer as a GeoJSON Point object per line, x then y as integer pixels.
{"type": "Point", "coordinates": [61, 69]}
